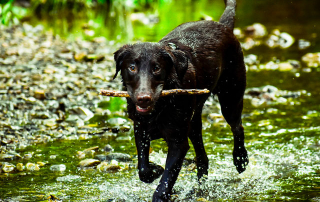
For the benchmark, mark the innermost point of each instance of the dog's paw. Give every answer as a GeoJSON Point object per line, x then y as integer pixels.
{"type": "Point", "coordinates": [150, 174]}
{"type": "Point", "coordinates": [240, 159]}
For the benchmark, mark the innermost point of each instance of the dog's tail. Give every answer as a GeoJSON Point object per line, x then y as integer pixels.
{"type": "Point", "coordinates": [229, 13]}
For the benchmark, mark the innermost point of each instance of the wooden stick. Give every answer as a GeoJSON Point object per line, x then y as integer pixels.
{"type": "Point", "coordinates": [114, 93]}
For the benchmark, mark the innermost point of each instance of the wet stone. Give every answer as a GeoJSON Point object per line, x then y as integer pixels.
{"type": "Point", "coordinates": [118, 157]}
{"type": "Point", "coordinates": [27, 156]}
{"type": "Point", "coordinates": [6, 167]}
{"type": "Point", "coordinates": [58, 168]}
{"type": "Point", "coordinates": [81, 154]}
{"type": "Point", "coordinates": [20, 167]}
{"type": "Point", "coordinates": [32, 167]}
{"type": "Point", "coordinates": [108, 148]}
{"type": "Point", "coordinates": [105, 167]}
{"type": "Point", "coordinates": [6, 157]}
{"type": "Point", "coordinates": [89, 163]}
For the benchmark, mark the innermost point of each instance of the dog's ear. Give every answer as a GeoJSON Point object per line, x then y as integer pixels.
{"type": "Point", "coordinates": [119, 55]}
{"type": "Point", "coordinates": [179, 60]}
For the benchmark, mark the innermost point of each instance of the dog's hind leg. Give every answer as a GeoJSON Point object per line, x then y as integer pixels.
{"type": "Point", "coordinates": [231, 90]}
{"type": "Point", "coordinates": [195, 136]}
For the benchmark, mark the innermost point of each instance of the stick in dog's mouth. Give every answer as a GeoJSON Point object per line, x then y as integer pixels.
{"type": "Point", "coordinates": [114, 93]}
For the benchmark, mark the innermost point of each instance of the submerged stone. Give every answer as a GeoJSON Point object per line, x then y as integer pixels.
{"type": "Point", "coordinates": [32, 167]}
{"type": "Point", "coordinates": [312, 59]}
{"type": "Point", "coordinates": [118, 157]}
{"type": "Point", "coordinates": [106, 167]}
{"type": "Point", "coordinates": [20, 167]}
{"type": "Point", "coordinates": [108, 148]}
{"type": "Point", "coordinates": [58, 168]}
{"type": "Point", "coordinates": [7, 167]}
{"type": "Point", "coordinates": [89, 162]}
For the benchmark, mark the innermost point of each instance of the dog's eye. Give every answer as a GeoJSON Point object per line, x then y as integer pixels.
{"type": "Point", "coordinates": [132, 68]}
{"type": "Point", "coordinates": [156, 69]}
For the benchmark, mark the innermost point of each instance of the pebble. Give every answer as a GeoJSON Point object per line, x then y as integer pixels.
{"type": "Point", "coordinates": [312, 59]}
{"type": "Point", "coordinates": [89, 162]}
{"type": "Point", "coordinates": [6, 157]}
{"type": "Point", "coordinates": [27, 156]}
{"type": "Point", "coordinates": [81, 155]}
{"type": "Point", "coordinates": [32, 167]}
{"type": "Point", "coordinates": [108, 148]}
{"type": "Point", "coordinates": [118, 157]}
{"type": "Point", "coordinates": [7, 167]}
{"type": "Point", "coordinates": [20, 167]}
{"type": "Point", "coordinates": [105, 167]}
{"type": "Point", "coordinates": [256, 30]}
{"type": "Point", "coordinates": [58, 168]}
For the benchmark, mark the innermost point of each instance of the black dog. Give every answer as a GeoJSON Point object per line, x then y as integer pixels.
{"type": "Point", "coordinates": [203, 54]}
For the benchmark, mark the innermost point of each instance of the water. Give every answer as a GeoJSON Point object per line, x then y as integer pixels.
{"type": "Point", "coordinates": [282, 138]}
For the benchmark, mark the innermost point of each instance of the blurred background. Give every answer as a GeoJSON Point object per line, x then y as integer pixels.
{"type": "Point", "coordinates": [61, 139]}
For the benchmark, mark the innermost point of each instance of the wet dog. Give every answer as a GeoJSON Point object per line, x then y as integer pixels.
{"type": "Point", "coordinates": [195, 55]}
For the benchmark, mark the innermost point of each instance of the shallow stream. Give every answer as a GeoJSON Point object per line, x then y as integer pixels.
{"type": "Point", "coordinates": [281, 119]}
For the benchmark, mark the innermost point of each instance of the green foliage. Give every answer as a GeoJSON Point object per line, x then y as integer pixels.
{"type": "Point", "coordinates": [10, 14]}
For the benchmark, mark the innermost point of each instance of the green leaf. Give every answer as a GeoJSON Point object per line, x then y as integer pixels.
{"type": "Point", "coordinates": [7, 7]}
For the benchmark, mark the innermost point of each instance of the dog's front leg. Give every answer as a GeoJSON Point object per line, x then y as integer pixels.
{"type": "Point", "coordinates": [148, 172]}
{"type": "Point", "coordinates": [176, 154]}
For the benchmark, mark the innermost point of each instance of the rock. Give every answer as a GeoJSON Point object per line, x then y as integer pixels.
{"type": "Point", "coordinates": [58, 168]}
{"type": "Point", "coordinates": [6, 157]}
{"type": "Point", "coordinates": [91, 149]}
{"type": "Point", "coordinates": [7, 167]}
{"type": "Point", "coordinates": [256, 30]}
{"type": "Point", "coordinates": [303, 44]}
{"type": "Point", "coordinates": [39, 94]}
{"type": "Point", "coordinates": [312, 59]}
{"type": "Point", "coordinates": [41, 164]}
{"type": "Point", "coordinates": [32, 167]}
{"type": "Point", "coordinates": [124, 139]}
{"type": "Point", "coordinates": [285, 66]}
{"type": "Point", "coordinates": [117, 121]}
{"type": "Point", "coordinates": [50, 122]}
{"type": "Point", "coordinates": [80, 56]}
{"type": "Point", "coordinates": [83, 113]}
{"type": "Point", "coordinates": [118, 157]}
{"type": "Point", "coordinates": [27, 156]}
{"type": "Point", "coordinates": [40, 115]}
{"type": "Point", "coordinates": [101, 157]}
{"type": "Point", "coordinates": [278, 39]}
{"type": "Point", "coordinates": [251, 59]}
{"type": "Point", "coordinates": [108, 148]}
{"type": "Point", "coordinates": [81, 154]}
{"type": "Point", "coordinates": [89, 163]}
{"type": "Point", "coordinates": [75, 120]}
{"type": "Point", "coordinates": [105, 167]}
{"type": "Point", "coordinates": [286, 40]}
{"type": "Point", "coordinates": [20, 167]}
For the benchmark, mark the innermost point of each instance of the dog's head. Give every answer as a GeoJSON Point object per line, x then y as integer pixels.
{"type": "Point", "coordinates": [146, 68]}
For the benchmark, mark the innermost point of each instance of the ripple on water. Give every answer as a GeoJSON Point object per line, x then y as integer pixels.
{"type": "Point", "coordinates": [271, 173]}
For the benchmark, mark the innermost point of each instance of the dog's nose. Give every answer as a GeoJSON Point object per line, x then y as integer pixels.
{"type": "Point", "coordinates": [144, 98]}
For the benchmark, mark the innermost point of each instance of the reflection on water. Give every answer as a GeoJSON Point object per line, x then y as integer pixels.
{"type": "Point", "coordinates": [282, 138]}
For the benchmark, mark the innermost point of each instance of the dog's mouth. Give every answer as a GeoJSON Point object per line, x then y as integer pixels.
{"type": "Point", "coordinates": [144, 110]}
